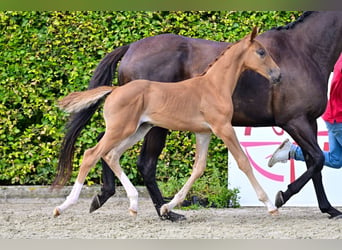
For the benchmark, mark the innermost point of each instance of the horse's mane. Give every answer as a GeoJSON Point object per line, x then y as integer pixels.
{"type": "Point", "coordinates": [215, 60]}
{"type": "Point", "coordinates": [286, 27]}
{"type": "Point", "coordinates": [293, 24]}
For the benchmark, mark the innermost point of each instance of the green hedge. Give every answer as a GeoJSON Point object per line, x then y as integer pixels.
{"type": "Point", "coordinates": [46, 55]}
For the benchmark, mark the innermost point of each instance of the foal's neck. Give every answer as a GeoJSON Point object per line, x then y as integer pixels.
{"type": "Point", "coordinates": [224, 73]}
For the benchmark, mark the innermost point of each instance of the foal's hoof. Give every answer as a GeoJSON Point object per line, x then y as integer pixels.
{"type": "Point", "coordinates": [166, 214]}
{"type": "Point", "coordinates": [274, 212]}
{"type": "Point", "coordinates": [56, 212]}
{"type": "Point", "coordinates": [279, 201]}
{"type": "Point", "coordinates": [174, 217]}
{"type": "Point", "coordinates": [164, 210]}
{"type": "Point", "coordinates": [133, 213]}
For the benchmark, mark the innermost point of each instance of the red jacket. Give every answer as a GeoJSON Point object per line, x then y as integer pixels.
{"type": "Point", "coordinates": [333, 112]}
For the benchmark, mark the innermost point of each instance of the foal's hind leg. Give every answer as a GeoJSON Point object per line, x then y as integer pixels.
{"type": "Point", "coordinates": [90, 157]}
{"type": "Point", "coordinates": [113, 157]}
{"type": "Point", "coordinates": [108, 185]}
{"type": "Point", "coordinates": [202, 144]}
{"type": "Point", "coordinates": [227, 134]}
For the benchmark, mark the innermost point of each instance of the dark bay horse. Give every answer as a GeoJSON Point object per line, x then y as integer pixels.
{"type": "Point", "coordinates": [305, 50]}
{"type": "Point", "coordinates": [202, 105]}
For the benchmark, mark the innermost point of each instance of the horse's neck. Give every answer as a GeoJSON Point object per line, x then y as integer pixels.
{"type": "Point", "coordinates": [319, 35]}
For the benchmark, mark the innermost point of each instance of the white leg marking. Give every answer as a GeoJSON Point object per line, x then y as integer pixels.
{"type": "Point", "coordinates": [71, 199]}
{"type": "Point", "coordinates": [131, 191]}
{"type": "Point", "coordinates": [112, 159]}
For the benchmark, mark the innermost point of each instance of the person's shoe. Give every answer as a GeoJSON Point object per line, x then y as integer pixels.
{"type": "Point", "coordinates": [281, 154]}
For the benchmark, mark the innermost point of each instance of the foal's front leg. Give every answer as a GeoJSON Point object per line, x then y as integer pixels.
{"type": "Point", "coordinates": [227, 134]}
{"type": "Point", "coordinates": [202, 144]}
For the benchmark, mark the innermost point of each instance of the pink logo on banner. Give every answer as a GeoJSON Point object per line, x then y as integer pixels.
{"type": "Point", "coordinates": [279, 132]}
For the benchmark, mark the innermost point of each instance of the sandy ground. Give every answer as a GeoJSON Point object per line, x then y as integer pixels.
{"type": "Point", "coordinates": [31, 218]}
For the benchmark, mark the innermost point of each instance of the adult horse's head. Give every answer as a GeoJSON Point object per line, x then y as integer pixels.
{"type": "Point", "coordinates": [259, 60]}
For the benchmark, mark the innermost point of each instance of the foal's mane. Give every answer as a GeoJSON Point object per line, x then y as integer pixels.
{"type": "Point", "coordinates": [294, 23]}
{"type": "Point", "coordinates": [215, 60]}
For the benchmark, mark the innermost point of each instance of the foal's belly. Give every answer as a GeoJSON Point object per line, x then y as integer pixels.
{"type": "Point", "coordinates": [174, 122]}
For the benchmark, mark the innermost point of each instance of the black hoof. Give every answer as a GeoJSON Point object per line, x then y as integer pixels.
{"type": "Point", "coordinates": [99, 200]}
{"type": "Point", "coordinates": [174, 217]}
{"type": "Point", "coordinates": [95, 204]}
{"type": "Point", "coordinates": [336, 217]}
{"type": "Point", "coordinates": [279, 200]}
{"type": "Point", "coordinates": [333, 212]}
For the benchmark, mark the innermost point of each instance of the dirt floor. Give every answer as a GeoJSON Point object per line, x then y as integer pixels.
{"type": "Point", "coordinates": [31, 218]}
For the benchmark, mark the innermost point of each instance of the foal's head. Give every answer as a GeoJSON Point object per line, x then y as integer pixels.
{"type": "Point", "coordinates": [258, 59]}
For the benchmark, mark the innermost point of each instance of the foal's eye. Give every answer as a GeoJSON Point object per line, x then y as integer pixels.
{"type": "Point", "coordinates": [261, 52]}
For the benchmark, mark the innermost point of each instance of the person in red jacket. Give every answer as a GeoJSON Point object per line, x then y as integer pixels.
{"type": "Point", "coordinates": [333, 119]}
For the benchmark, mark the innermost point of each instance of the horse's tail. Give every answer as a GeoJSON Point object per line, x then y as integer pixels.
{"type": "Point", "coordinates": [103, 76]}
{"type": "Point", "coordinates": [78, 101]}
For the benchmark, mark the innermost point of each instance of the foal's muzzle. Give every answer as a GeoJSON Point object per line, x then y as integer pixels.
{"type": "Point", "coordinates": [275, 75]}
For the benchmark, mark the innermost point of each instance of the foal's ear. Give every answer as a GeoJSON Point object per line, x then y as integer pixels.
{"type": "Point", "coordinates": [254, 33]}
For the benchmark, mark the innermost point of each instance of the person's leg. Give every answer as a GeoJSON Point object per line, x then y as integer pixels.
{"type": "Point", "coordinates": [333, 157]}
{"type": "Point", "coordinates": [281, 154]}
{"type": "Point", "coordinates": [296, 153]}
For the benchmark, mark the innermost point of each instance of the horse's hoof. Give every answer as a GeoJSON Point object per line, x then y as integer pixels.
{"type": "Point", "coordinates": [56, 212]}
{"type": "Point", "coordinates": [100, 199]}
{"type": "Point", "coordinates": [95, 204]}
{"type": "Point", "coordinates": [174, 217]}
{"type": "Point", "coordinates": [274, 212]}
{"type": "Point", "coordinates": [279, 201]}
{"type": "Point", "coordinates": [336, 217]}
{"type": "Point", "coordinates": [133, 213]}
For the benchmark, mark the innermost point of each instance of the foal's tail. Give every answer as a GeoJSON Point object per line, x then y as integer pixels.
{"type": "Point", "coordinates": [78, 101]}
{"type": "Point", "coordinates": [103, 76]}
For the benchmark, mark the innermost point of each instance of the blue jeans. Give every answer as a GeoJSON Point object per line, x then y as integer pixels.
{"type": "Point", "coordinates": [333, 157]}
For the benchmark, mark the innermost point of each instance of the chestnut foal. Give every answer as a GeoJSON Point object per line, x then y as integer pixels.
{"type": "Point", "coordinates": [202, 105]}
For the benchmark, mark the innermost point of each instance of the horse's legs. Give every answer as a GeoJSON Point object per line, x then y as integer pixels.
{"type": "Point", "coordinates": [153, 145]}
{"type": "Point", "coordinates": [108, 185]}
{"type": "Point", "coordinates": [112, 158]}
{"type": "Point", "coordinates": [305, 134]}
{"type": "Point", "coordinates": [202, 144]}
{"type": "Point", "coordinates": [227, 134]}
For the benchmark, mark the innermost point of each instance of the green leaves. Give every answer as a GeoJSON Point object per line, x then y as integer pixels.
{"type": "Point", "coordinates": [46, 55]}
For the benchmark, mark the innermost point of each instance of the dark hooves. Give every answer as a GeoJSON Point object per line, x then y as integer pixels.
{"type": "Point", "coordinates": [279, 200]}
{"type": "Point", "coordinates": [100, 199]}
{"type": "Point", "coordinates": [337, 217]}
{"type": "Point", "coordinates": [174, 217]}
{"type": "Point", "coordinates": [95, 204]}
